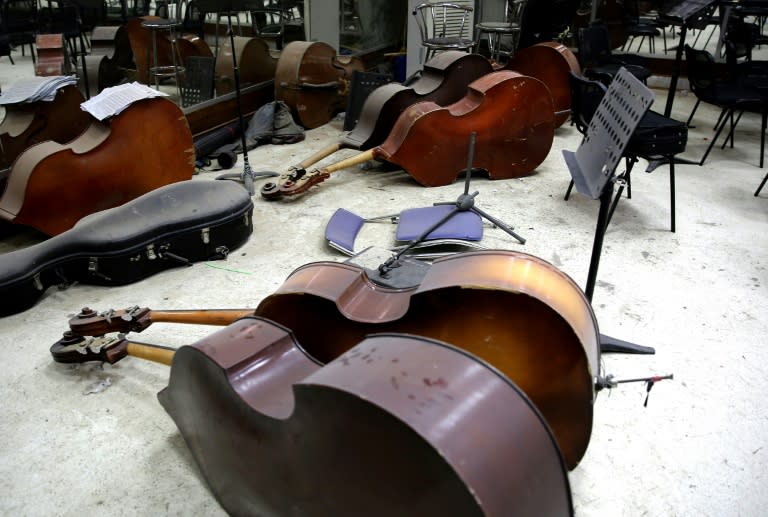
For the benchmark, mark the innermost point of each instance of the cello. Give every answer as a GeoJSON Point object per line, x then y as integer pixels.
{"type": "Point", "coordinates": [51, 185]}
{"type": "Point", "coordinates": [26, 124]}
{"type": "Point", "coordinates": [444, 80]}
{"type": "Point", "coordinates": [313, 81]}
{"type": "Point", "coordinates": [515, 311]}
{"type": "Point", "coordinates": [512, 114]}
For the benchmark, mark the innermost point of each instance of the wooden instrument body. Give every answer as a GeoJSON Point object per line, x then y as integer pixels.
{"type": "Point", "coordinates": [398, 425]}
{"type": "Point", "coordinates": [255, 60]}
{"type": "Point", "coordinates": [26, 124]}
{"type": "Point", "coordinates": [51, 186]}
{"type": "Point", "coordinates": [141, 45]}
{"type": "Point", "coordinates": [513, 117]}
{"type": "Point", "coordinates": [110, 57]}
{"type": "Point", "coordinates": [514, 311]}
{"type": "Point", "coordinates": [444, 80]}
{"type": "Point", "coordinates": [51, 55]}
{"type": "Point", "coordinates": [549, 62]}
{"type": "Point", "coordinates": [313, 81]}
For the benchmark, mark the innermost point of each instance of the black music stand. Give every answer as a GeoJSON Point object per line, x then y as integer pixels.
{"type": "Point", "coordinates": [389, 274]}
{"type": "Point", "coordinates": [229, 7]}
{"type": "Point", "coordinates": [593, 166]}
{"type": "Point", "coordinates": [681, 14]}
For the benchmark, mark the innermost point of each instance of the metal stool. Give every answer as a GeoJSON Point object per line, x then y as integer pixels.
{"type": "Point", "coordinates": [508, 29]}
{"type": "Point", "coordinates": [156, 70]}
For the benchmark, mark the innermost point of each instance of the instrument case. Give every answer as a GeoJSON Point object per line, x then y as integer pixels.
{"type": "Point", "coordinates": [177, 224]}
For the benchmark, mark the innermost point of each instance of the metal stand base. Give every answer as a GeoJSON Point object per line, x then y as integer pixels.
{"type": "Point", "coordinates": [247, 176]}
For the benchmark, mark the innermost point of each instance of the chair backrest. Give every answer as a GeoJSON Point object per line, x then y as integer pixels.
{"type": "Point", "coordinates": [700, 66]}
{"type": "Point", "coordinates": [593, 44]}
{"type": "Point", "coordinates": [442, 20]}
{"type": "Point", "coordinates": [514, 11]}
{"type": "Point", "coordinates": [161, 9]}
{"type": "Point", "coordinates": [194, 19]}
{"type": "Point", "coordinates": [585, 98]}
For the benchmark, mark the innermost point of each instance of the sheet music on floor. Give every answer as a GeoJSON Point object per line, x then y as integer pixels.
{"type": "Point", "coordinates": [112, 101]}
{"type": "Point", "coordinates": [38, 88]}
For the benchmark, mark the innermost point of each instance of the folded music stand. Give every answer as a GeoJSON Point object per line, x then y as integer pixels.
{"type": "Point", "coordinates": [229, 7]}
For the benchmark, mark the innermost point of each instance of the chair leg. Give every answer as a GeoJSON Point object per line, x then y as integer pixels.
{"type": "Point", "coordinates": [731, 132]}
{"type": "Point", "coordinates": [690, 117]}
{"type": "Point", "coordinates": [570, 187]}
{"type": "Point", "coordinates": [762, 184]}
{"type": "Point", "coordinates": [762, 138]}
{"type": "Point", "coordinates": [720, 127]}
{"type": "Point", "coordinates": [672, 191]}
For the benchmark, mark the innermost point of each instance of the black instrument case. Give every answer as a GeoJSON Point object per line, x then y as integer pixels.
{"type": "Point", "coordinates": [174, 225]}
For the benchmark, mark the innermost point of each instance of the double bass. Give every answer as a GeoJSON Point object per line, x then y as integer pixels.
{"type": "Point", "coordinates": [550, 62]}
{"type": "Point", "coordinates": [513, 117]}
{"type": "Point", "coordinates": [26, 124]}
{"type": "Point", "coordinates": [110, 57]}
{"type": "Point", "coordinates": [314, 81]}
{"type": "Point", "coordinates": [515, 311]}
{"type": "Point", "coordinates": [51, 185]}
{"type": "Point", "coordinates": [444, 80]}
{"type": "Point", "coordinates": [255, 60]}
{"type": "Point", "coordinates": [52, 56]}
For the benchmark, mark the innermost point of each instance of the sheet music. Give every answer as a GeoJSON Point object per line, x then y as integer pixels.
{"type": "Point", "coordinates": [112, 101]}
{"type": "Point", "coordinates": [33, 89]}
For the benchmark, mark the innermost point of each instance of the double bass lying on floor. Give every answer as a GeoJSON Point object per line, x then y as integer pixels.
{"type": "Point", "coordinates": [51, 185]}
{"type": "Point", "coordinates": [515, 311]}
{"type": "Point", "coordinates": [512, 114]}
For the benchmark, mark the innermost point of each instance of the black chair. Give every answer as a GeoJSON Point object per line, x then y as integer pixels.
{"type": "Point", "coordinates": [65, 20]}
{"type": "Point", "coordinates": [656, 139]}
{"type": "Point", "coordinates": [19, 23]}
{"type": "Point", "coordinates": [279, 21]}
{"type": "Point", "coordinates": [597, 60]}
{"type": "Point", "coordinates": [194, 20]}
{"type": "Point", "coordinates": [5, 47]}
{"type": "Point", "coordinates": [637, 27]}
{"type": "Point", "coordinates": [733, 96]}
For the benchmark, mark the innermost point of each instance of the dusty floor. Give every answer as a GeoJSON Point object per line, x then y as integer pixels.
{"type": "Point", "coordinates": [698, 296]}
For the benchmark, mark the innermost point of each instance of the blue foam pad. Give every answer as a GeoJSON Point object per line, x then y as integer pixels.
{"type": "Point", "coordinates": [415, 221]}
{"type": "Point", "coordinates": [342, 229]}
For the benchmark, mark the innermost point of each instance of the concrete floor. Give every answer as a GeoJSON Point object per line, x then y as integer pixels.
{"type": "Point", "coordinates": [698, 296]}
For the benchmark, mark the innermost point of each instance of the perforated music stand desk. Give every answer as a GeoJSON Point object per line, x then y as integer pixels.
{"type": "Point", "coordinates": [593, 165]}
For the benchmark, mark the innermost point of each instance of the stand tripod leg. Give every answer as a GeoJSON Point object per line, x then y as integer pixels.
{"type": "Point", "coordinates": [499, 223]}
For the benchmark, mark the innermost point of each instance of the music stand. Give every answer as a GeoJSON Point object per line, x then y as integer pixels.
{"type": "Point", "coordinates": [593, 165]}
{"type": "Point", "coordinates": [465, 202]}
{"type": "Point", "coordinates": [229, 7]}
